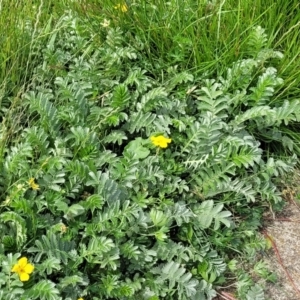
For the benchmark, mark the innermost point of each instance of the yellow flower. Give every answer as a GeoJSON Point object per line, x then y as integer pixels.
{"type": "Point", "coordinates": [80, 298]}
{"type": "Point", "coordinates": [160, 141]}
{"type": "Point", "coordinates": [122, 7]}
{"type": "Point", "coordinates": [23, 269]}
{"type": "Point", "coordinates": [33, 185]}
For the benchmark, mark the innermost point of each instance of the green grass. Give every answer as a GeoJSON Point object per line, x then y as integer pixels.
{"type": "Point", "coordinates": [17, 41]}
{"type": "Point", "coordinates": [202, 36]}
{"type": "Point", "coordinates": [24, 28]}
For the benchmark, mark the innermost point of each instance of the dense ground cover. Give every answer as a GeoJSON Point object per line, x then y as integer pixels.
{"type": "Point", "coordinates": [141, 143]}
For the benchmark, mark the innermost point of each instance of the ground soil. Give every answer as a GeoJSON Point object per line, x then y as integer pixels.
{"type": "Point", "coordinates": [284, 258]}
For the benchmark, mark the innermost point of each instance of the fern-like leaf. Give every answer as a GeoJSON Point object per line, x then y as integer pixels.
{"type": "Point", "coordinates": [246, 156]}
{"type": "Point", "coordinates": [52, 246]}
{"type": "Point", "coordinates": [43, 290]}
{"type": "Point", "coordinates": [207, 211]}
{"type": "Point", "coordinates": [265, 87]}
{"type": "Point", "coordinates": [257, 40]}
{"type": "Point", "coordinates": [139, 121]}
{"type": "Point", "coordinates": [120, 97]}
{"type": "Point", "coordinates": [256, 292]}
{"type": "Point", "coordinates": [40, 103]}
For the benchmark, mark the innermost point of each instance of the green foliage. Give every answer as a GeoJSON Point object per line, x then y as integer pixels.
{"type": "Point", "coordinates": [256, 292]}
{"type": "Point", "coordinates": [43, 290]}
{"type": "Point", "coordinates": [113, 216]}
{"type": "Point", "coordinates": [206, 213]}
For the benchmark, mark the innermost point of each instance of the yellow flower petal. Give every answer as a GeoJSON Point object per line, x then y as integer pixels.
{"type": "Point", "coordinates": [80, 298]}
{"type": "Point", "coordinates": [16, 268]}
{"type": "Point", "coordinates": [160, 141]}
{"type": "Point", "coordinates": [31, 180]}
{"type": "Point", "coordinates": [121, 7]}
{"type": "Point", "coordinates": [32, 184]}
{"type": "Point", "coordinates": [28, 268]}
{"type": "Point", "coordinates": [35, 186]}
{"type": "Point", "coordinates": [23, 276]}
{"type": "Point", "coordinates": [22, 262]}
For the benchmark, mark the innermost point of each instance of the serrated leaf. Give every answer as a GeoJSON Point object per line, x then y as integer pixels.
{"type": "Point", "coordinates": [256, 292]}
{"type": "Point", "coordinates": [73, 211]}
{"type": "Point", "coordinates": [136, 147]}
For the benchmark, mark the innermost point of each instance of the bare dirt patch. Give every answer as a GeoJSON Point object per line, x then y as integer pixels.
{"type": "Point", "coordinates": [284, 259]}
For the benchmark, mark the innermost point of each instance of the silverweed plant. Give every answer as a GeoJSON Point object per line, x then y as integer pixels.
{"type": "Point", "coordinates": [90, 202]}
